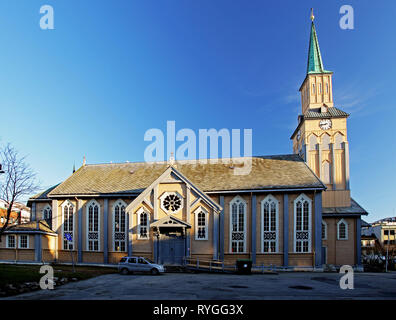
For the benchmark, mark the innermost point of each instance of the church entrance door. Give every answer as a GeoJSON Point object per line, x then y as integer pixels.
{"type": "Point", "coordinates": [171, 247]}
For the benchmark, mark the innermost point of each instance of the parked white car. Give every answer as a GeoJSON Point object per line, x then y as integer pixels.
{"type": "Point", "coordinates": [139, 264]}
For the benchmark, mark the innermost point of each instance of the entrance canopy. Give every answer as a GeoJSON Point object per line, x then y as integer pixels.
{"type": "Point", "coordinates": [170, 222]}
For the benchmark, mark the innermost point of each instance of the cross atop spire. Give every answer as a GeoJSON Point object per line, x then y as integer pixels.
{"type": "Point", "coordinates": [312, 15]}
{"type": "Point", "coordinates": [315, 63]}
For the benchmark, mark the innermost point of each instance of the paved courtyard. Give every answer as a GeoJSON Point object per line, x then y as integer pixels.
{"type": "Point", "coordinates": [304, 285]}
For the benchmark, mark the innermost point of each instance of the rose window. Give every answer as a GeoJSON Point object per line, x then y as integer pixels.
{"type": "Point", "coordinates": [172, 202]}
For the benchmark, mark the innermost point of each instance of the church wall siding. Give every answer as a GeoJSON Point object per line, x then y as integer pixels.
{"type": "Point", "coordinates": [204, 247]}
{"type": "Point", "coordinates": [340, 252]}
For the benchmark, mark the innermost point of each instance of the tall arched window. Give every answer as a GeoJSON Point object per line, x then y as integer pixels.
{"type": "Point", "coordinates": [325, 142]}
{"type": "Point", "coordinates": [68, 225]}
{"type": "Point", "coordinates": [201, 224]}
{"type": "Point", "coordinates": [326, 172]}
{"type": "Point", "coordinates": [47, 215]}
{"type": "Point", "coordinates": [338, 140]}
{"type": "Point", "coordinates": [269, 224]}
{"type": "Point", "coordinates": [143, 224]}
{"type": "Point", "coordinates": [342, 230]}
{"type": "Point", "coordinates": [119, 226]}
{"type": "Point", "coordinates": [93, 226]}
{"type": "Point", "coordinates": [238, 225]}
{"type": "Point", "coordinates": [313, 142]}
{"type": "Point", "coordinates": [302, 224]}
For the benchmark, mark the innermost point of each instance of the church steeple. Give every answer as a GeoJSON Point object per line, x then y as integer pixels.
{"type": "Point", "coordinates": [316, 90]}
{"type": "Point", "coordinates": [315, 62]}
{"type": "Point", "coordinates": [321, 134]}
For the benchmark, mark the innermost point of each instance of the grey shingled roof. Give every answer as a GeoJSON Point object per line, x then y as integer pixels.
{"type": "Point", "coordinates": [268, 172]}
{"type": "Point", "coordinates": [354, 209]}
{"type": "Point", "coordinates": [44, 194]}
{"type": "Point", "coordinates": [332, 112]}
{"type": "Point", "coordinates": [33, 226]}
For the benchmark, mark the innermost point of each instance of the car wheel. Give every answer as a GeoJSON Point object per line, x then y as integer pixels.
{"type": "Point", "coordinates": [154, 271]}
{"type": "Point", "coordinates": [124, 271]}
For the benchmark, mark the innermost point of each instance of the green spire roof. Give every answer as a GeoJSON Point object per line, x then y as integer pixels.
{"type": "Point", "coordinates": [315, 63]}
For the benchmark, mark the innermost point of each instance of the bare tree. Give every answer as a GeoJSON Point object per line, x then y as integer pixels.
{"type": "Point", "coordinates": [18, 180]}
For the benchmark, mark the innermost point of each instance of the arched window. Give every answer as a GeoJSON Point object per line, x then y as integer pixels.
{"type": "Point", "coordinates": [47, 215]}
{"type": "Point", "coordinates": [313, 88]}
{"type": "Point", "coordinates": [201, 224]}
{"type": "Point", "coordinates": [338, 140]}
{"type": "Point", "coordinates": [143, 224]}
{"type": "Point", "coordinates": [326, 172]}
{"type": "Point", "coordinates": [342, 230]}
{"type": "Point", "coordinates": [93, 226]}
{"type": "Point", "coordinates": [238, 225]}
{"type": "Point", "coordinates": [313, 142]}
{"type": "Point", "coordinates": [119, 226]}
{"type": "Point", "coordinates": [325, 142]}
{"type": "Point", "coordinates": [302, 224]}
{"type": "Point", "coordinates": [324, 230]}
{"type": "Point", "coordinates": [320, 88]}
{"type": "Point", "coordinates": [269, 224]}
{"type": "Point", "coordinates": [68, 225]}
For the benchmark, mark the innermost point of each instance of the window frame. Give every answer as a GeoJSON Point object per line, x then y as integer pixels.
{"type": "Point", "coordinates": [269, 199]}
{"type": "Point", "coordinates": [20, 241]}
{"type": "Point", "coordinates": [325, 230]}
{"type": "Point", "coordinates": [121, 204]}
{"type": "Point", "coordinates": [46, 209]}
{"type": "Point", "coordinates": [7, 241]}
{"type": "Point", "coordinates": [94, 203]}
{"type": "Point", "coordinates": [199, 210]}
{"type": "Point", "coordinates": [234, 200]}
{"type": "Point", "coordinates": [68, 203]}
{"type": "Point", "coordinates": [338, 229]}
{"type": "Point", "coordinates": [301, 198]}
{"type": "Point", "coordinates": [139, 212]}
{"type": "Point", "coordinates": [168, 193]}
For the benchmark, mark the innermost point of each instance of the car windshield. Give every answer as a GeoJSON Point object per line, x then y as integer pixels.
{"type": "Point", "coordinates": [148, 260]}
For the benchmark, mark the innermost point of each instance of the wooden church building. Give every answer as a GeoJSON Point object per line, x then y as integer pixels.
{"type": "Point", "coordinates": [290, 210]}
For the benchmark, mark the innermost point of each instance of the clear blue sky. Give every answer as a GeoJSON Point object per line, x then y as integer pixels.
{"type": "Point", "coordinates": [113, 69]}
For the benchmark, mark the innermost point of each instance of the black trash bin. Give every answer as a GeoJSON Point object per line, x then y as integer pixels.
{"type": "Point", "coordinates": [244, 266]}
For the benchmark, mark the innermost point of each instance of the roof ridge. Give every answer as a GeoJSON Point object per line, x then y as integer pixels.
{"type": "Point", "coordinates": [186, 160]}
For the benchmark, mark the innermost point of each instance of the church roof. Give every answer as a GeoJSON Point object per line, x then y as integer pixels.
{"type": "Point", "coordinates": [267, 172]}
{"type": "Point", "coordinates": [332, 112]}
{"type": "Point", "coordinates": [33, 226]}
{"type": "Point", "coordinates": [316, 113]}
{"type": "Point", "coordinates": [354, 209]}
{"type": "Point", "coordinates": [43, 195]}
{"type": "Point", "coordinates": [315, 62]}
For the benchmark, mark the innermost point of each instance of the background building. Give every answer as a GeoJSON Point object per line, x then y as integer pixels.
{"type": "Point", "coordinates": [19, 214]}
